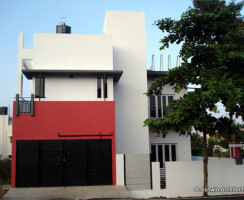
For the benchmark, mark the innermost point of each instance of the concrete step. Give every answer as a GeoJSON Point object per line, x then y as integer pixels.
{"type": "Point", "coordinates": [68, 193]}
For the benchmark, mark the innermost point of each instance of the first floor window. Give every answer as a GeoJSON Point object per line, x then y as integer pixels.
{"type": "Point", "coordinates": [158, 104]}
{"type": "Point", "coordinates": [102, 87]}
{"type": "Point", "coordinates": [105, 87]}
{"type": "Point", "coordinates": [39, 87]}
{"type": "Point", "coordinates": [99, 88]}
{"type": "Point", "coordinates": [152, 106]}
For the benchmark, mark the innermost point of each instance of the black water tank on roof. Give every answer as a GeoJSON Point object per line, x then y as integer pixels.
{"type": "Point", "coordinates": [63, 28]}
{"type": "Point", "coordinates": [3, 110]}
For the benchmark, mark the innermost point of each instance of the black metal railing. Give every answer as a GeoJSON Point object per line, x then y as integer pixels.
{"type": "Point", "coordinates": [23, 106]}
{"type": "Point", "coordinates": [156, 113]}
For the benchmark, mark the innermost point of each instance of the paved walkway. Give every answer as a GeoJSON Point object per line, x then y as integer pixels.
{"type": "Point", "coordinates": [67, 193]}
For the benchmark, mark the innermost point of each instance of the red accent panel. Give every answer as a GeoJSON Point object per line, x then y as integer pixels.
{"type": "Point", "coordinates": [235, 152]}
{"type": "Point", "coordinates": [54, 118]}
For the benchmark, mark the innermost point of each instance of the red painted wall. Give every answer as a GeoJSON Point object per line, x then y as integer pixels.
{"type": "Point", "coordinates": [76, 118]}
{"type": "Point", "coordinates": [235, 152]}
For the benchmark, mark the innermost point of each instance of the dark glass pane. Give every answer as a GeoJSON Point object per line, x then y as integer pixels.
{"type": "Point", "coordinates": [170, 99]}
{"type": "Point", "coordinates": [152, 106]}
{"type": "Point", "coordinates": [160, 155]}
{"type": "Point", "coordinates": [39, 87]}
{"type": "Point", "coordinates": [105, 88]}
{"type": "Point", "coordinates": [173, 152]}
{"type": "Point", "coordinates": [99, 88]}
{"type": "Point", "coordinates": [164, 104]}
{"type": "Point", "coordinates": [153, 153]}
{"type": "Point", "coordinates": [166, 147]}
{"type": "Point", "coordinates": [159, 107]}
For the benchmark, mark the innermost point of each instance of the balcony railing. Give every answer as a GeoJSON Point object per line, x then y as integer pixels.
{"type": "Point", "coordinates": [23, 106]}
{"type": "Point", "coordinates": [156, 113]}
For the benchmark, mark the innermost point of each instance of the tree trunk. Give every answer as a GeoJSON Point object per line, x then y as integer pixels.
{"type": "Point", "coordinates": [233, 135]}
{"type": "Point", "coordinates": [205, 165]}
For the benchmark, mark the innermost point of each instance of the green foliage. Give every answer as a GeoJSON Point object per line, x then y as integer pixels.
{"type": "Point", "coordinates": [212, 38]}
{"type": "Point", "coordinates": [212, 141]}
{"type": "Point", "coordinates": [196, 144]}
{"type": "Point", "coordinates": [226, 137]}
{"type": "Point", "coordinates": [221, 154]}
{"type": "Point", "coordinates": [5, 171]}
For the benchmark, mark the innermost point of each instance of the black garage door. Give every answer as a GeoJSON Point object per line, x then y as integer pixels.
{"type": "Point", "coordinates": [63, 162]}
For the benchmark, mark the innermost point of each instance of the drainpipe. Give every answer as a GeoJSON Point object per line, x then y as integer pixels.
{"type": "Point", "coordinates": [17, 105]}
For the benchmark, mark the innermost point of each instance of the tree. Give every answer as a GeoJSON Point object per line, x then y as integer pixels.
{"type": "Point", "coordinates": [212, 38]}
{"type": "Point", "coordinates": [212, 142]}
{"type": "Point", "coordinates": [196, 144]}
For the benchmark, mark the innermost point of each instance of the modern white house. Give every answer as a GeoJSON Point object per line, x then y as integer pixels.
{"type": "Point", "coordinates": [5, 134]}
{"type": "Point", "coordinates": [87, 90]}
{"type": "Point", "coordinates": [83, 121]}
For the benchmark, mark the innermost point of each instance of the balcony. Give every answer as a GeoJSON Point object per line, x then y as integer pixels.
{"type": "Point", "coordinates": [24, 106]}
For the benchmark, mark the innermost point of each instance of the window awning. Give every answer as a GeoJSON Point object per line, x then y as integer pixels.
{"type": "Point", "coordinates": [30, 73]}
{"type": "Point", "coordinates": [155, 74]}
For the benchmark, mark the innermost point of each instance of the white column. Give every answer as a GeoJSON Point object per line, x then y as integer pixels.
{"type": "Point", "coordinates": [156, 176]}
{"type": "Point", "coordinates": [19, 73]}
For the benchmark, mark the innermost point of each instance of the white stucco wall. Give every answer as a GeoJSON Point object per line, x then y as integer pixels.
{"type": "Point", "coordinates": [65, 51]}
{"type": "Point", "coordinates": [129, 50]}
{"type": "Point", "coordinates": [75, 89]}
{"type": "Point", "coordinates": [168, 90]}
{"type": "Point", "coordinates": [5, 134]}
{"type": "Point", "coordinates": [72, 51]}
{"type": "Point", "coordinates": [183, 177]}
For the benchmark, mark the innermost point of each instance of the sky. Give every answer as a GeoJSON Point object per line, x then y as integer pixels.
{"type": "Point", "coordinates": [84, 17]}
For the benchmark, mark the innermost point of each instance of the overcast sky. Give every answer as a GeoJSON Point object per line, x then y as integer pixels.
{"type": "Point", "coordinates": [84, 17]}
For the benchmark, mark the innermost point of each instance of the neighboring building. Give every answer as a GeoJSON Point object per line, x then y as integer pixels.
{"type": "Point", "coordinates": [5, 134]}
{"type": "Point", "coordinates": [87, 105]}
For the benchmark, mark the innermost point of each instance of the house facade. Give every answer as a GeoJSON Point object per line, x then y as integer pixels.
{"type": "Point", "coordinates": [5, 134]}
{"type": "Point", "coordinates": [87, 105]}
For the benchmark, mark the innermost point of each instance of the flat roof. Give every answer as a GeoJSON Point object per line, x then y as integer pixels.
{"type": "Point", "coordinates": [155, 74]}
{"type": "Point", "coordinates": [29, 73]}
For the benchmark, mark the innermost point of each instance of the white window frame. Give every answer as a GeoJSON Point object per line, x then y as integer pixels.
{"type": "Point", "coordinates": [163, 151]}
{"type": "Point", "coordinates": [102, 98]}
{"type": "Point", "coordinates": [156, 104]}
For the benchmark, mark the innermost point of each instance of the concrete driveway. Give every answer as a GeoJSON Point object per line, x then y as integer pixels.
{"type": "Point", "coordinates": [68, 193]}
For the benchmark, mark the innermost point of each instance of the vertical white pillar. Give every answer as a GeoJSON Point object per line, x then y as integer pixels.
{"type": "Point", "coordinates": [120, 169]}
{"type": "Point", "coordinates": [19, 72]}
{"type": "Point", "coordinates": [156, 176]}
{"type": "Point", "coordinates": [129, 54]}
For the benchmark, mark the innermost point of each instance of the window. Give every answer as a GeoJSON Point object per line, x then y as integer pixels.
{"type": "Point", "coordinates": [162, 153]}
{"type": "Point", "coordinates": [105, 87]}
{"type": "Point", "coordinates": [10, 139]}
{"type": "Point", "coordinates": [39, 87]}
{"type": "Point", "coordinates": [99, 88]}
{"type": "Point", "coordinates": [102, 90]}
{"type": "Point", "coordinates": [152, 106]}
{"type": "Point", "coordinates": [158, 104]}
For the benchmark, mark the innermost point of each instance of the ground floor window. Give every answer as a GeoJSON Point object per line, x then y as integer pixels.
{"type": "Point", "coordinates": [162, 153]}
